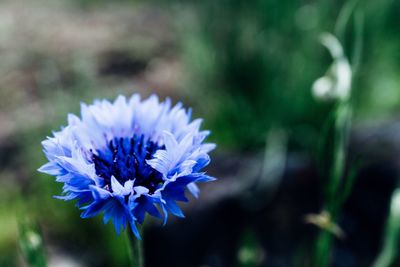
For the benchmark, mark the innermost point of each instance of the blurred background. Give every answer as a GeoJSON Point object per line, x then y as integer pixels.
{"type": "Point", "coordinates": [246, 67]}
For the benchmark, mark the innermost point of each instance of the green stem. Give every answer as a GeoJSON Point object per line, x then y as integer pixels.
{"type": "Point", "coordinates": [135, 249]}
{"type": "Point", "coordinates": [343, 19]}
{"type": "Point", "coordinates": [323, 249]}
{"type": "Point", "coordinates": [341, 125]}
{"type": "Point", "coordinates": [389, 253]}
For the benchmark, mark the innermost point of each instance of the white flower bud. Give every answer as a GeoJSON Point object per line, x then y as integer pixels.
{"type": "Point", "coordinates": [336, 83]}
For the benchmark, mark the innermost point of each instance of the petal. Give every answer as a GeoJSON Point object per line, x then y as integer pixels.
{"type": "Point", "coordinates": [117, 188]}
{"type": "Point", "coordinates": [194, 189]}
{"type": "Point", "coordinates": [51, 168]}
{"type": "Point", "coordinates": [174, 208]}
{"type": "Point", "coordinates": [100, 193]}
{"type": "Point", "coordinates": [93, 209]}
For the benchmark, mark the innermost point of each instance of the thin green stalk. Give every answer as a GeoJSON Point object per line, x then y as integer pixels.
{"type": "Point", "coordinates": [325, 239]}
{"type": "Point", "coordinates": [341, 123]}
{"type": "Point", "coordinates": [323, 248]}
{"type": "Point", "coordinates": [340, 28]}
{"type": "Point", "coordinates": [358, 40]}
{"type": "Point", "coordinates": [389, 250]}
{"type": "Point", "coordinates": [341, 132]}
{"type": "Point", "coordinates": [135, 249]}
{"type": "Point", "coordinates": [343, 18]}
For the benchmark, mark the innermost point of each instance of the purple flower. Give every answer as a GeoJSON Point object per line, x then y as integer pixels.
{"type": "Point", "coordinates": [129, 158]}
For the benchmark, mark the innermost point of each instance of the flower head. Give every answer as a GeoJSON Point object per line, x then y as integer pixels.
{"type": "Point", "coordinates": [129, 158]}
{"type": "Point", "coordinates": [336, 83]}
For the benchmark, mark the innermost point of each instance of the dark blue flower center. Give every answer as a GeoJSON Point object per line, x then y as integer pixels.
{"type": "Point", "coordinates": [125, 159]}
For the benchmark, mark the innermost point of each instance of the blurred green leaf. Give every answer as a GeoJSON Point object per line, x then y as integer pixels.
{"type": "Point", "coordinates": [250, 253]}
{"type": "Point", "coordinates": [31, 244]}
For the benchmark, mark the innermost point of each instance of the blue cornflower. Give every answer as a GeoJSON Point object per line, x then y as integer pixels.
{"type": "Point", "coordinates": [129, 158]}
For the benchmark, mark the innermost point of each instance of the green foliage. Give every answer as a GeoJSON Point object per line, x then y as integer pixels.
{"type": "Point", "coordinates": [391, 237]}
{"type": "Point", "coordinates": [258, 74]}
{"type": "Point", "coordinates": [254, 62]}
{"type": "Point", "coordinates": [250, 253]}
{"type": "Point", "coordinates": [31, 244]}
